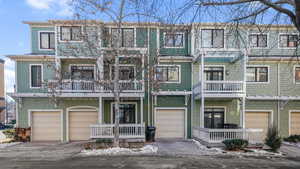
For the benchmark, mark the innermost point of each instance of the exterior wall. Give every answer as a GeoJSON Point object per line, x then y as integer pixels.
{"type": "Point", "coordinates": [2, 95]}
{"type": "Point", "coordinates": [35, 48]}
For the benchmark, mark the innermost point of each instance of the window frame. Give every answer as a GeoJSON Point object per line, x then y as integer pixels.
{"type": "Point", "coordinates": [258, 66]}
{"type": "Point", "coordinates": [294, 72]}
{"type": "Point", "coordinates": [30, 77]}
{"type": "Point", "coordinates": [175, 33]}
{"type": "Point", "coordinates": [92, 65]}
{"type": "Point", "coordinates": [71, 40]}
{"type": "Point", "coordinates": [212, 39]}
{"type": "Point", "coordinates": [258, 34]}
{"type": "Point", "coordinates": [174, 82]}
{"type": "Point", "coordinates": [112, 111]}
{"type": "Point", "coordinates": [209, 66]}
{"type": "Point", "coordinates": [287, 34]}
{"type": "Point", "coordinates": [123, 65]}
{"type": "Point", "coordinates": [122, 33]}
{"type": "Point", "coordinates": [40, 41]}
{"type": "Point", "coordinates": [218, 107]}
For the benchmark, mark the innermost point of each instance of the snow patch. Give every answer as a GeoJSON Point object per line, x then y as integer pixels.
{"type": "Point", "coordinates": [203, 148]}
{"type": "Point", "coordinates": [148, 149]}
{"type": "Point", "coordinates": [4, 145]}
{"type": "Point", "coordinates": [292, 144]}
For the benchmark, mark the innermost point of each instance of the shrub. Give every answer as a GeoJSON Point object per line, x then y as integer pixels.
{"type": "Point", "coordinates": [293, 138]}
{"type": "Point", "coordinates": [10, 133]}
{"type": "Point", "coordinates": [104, 140]}
{"type": "Point", "coordinates": [273, 140]}
{"type": "Point", "coordinates": [235, 144]}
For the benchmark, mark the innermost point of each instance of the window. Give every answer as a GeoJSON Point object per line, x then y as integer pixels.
{"type": "Point", "coordinates": [297, 74]}
{"type": "Point", "coordinates": [70, 33]}
{"type": "Point", "coordinates": [173, 39]}
{"type": "Point", "coordinates": [125, 72]}
{"type": "Point", "coordinates": [82, 72]}
{"type": "Point", "coordinates": [214, 118]}
{"type": "Point", "coordinates": [168, 74]}
{"type": "Point", "coordinates": [212, 38]}
{"type": "Point", "coordinates": [127, 113]}
{"type": "Point", "coordinates": [126, 39]}
{"type": "Point", "coordinates": [36, 76]}
{"type": "Point", "coordinates": [258, 40]}
{"type": "Point", "coordinates": [257, 74]}
{"type": "Point", "coordinates": [288, 41]}
{"type": "Point", "coordinates": [214, 73]}
{"type": "Point", "coordinates": [47, 40]}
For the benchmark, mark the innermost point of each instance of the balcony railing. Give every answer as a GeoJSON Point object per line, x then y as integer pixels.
{"type": "Point", "coordinates": [254, 136]}
{"type": "Point", "coordinates": [220, 87]}
{"type": "Point", "coordinates": [92, 86]}
{"type": "Point", "coordinates": [126, 131]}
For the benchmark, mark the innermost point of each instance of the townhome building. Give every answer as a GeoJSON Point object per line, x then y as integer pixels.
{"type": "Point", "coordinates": [205, 81]}
{"type": "Point", "coordinates": [2, 96]}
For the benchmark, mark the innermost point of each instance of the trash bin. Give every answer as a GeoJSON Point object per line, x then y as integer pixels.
{"type": "Point", "coordinates": [150, 133]}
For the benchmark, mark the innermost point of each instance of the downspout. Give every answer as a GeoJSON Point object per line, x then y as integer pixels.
{"type": "Point", "coordinates": [242, 120]}
{"type": "Point", "coordinates": [278, 94]}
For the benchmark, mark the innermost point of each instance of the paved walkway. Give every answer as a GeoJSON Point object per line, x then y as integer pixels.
{"type": "Point", "coordinates": [290, 151]}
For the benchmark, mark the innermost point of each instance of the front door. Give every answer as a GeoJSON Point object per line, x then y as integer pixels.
{"type": "Point", "coordinates": [127, 113]}
{"type": "Point", "coordinates": [214, 118]}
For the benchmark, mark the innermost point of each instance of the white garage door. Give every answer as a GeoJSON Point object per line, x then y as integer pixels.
{"type": "Point", "coordinates": [295, 123]}
{"type": "Point", "coordinates": [79, 124]}
{"type": "Point", "coordinates": [46, 126]}
{"type": "Point", "coordinates": [170, 123]}
{"type": "Point", "coordinates": [258, 120]}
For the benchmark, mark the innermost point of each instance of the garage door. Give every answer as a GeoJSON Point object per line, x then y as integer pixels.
{"type": "Point", "coordinates": [295, 123]}
{"type": "Point", "coordinates": [79, 124]}
{"type": "Point", "coordinates": [46, 126]}
{"type": "Point", "coordinates": [170, 123]}
{"type": "Point", "coordinates": [258, 120]}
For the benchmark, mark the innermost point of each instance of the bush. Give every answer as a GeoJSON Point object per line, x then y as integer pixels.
{"type": "Point", "coordinates": [273, 140]}
{"type": "Point", "coordinates": [293, 138]}
{"type": "Point", "coordinates": [104, 140]}
{"type": "Point", "coordinates": [235, 144]}
{"type": "Point", "coordinates": [10, 133]}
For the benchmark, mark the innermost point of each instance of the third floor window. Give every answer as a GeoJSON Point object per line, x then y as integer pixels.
{"type": "Point", "coordinates": [173, 40]}
{"type": "Point", "coordinates": [126, 38]}
{"type": "Point", "coordinates": [288, 41]}
{"type": "Point", "coordinates": [258, 40]}
{"type": "Point", "coordinates": [47, 40]}
{"type": "Point", "coordinates": [70, 33]}
{"type": "Point", "coordinates": [212, 38]}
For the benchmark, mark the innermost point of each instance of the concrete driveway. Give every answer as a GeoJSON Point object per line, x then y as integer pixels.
{"type": "Point", "coordinates": [41, 151]}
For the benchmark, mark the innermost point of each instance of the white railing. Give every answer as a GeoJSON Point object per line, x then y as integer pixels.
{"type": "Point", "coordinates": [254, 136]}
{"type": "Point", "coordinates": [126, 131]}
{"type": "Point", "coordinates": [92, 86]}
{"type": "Point", "coordinates": [220, 87]}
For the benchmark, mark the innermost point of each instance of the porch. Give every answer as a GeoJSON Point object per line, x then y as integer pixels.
{"type": "Point", "coordinates": [217, 136]}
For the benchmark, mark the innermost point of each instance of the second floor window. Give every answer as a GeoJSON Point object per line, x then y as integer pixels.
{"type": "Point", "coordinates": [47, 40]}
{"type": "Point", "coordinates": [168, 74]}
{"type": "Point", "coordinates": [35, 76]}
{"type": "Point", "coordinates": [257, 74]}
{"type": "Point", "coordinates": [212, 38]}
{"type": "Point", "coordinates": [126, 38]}
{"type": "Point", "coordinates": [297, 74]}
{"type": "Point", "coordinates": [258, 40]}
{"type": "Point", "coordinates": [214, 73]}
{"type": "Point", "coordinates": [70, 33]}
{"type": "Point", "coordinates": [82, 72]}
{"type": "Point", "coordinates": [125, 72]}
{"type": "Point", "coordinates": [173, 40]}
{"type": "Point", "coordinates": [288, 41]}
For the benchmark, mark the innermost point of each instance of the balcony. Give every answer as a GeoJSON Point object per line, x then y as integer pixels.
{"type": "Point", "coordinates": [127, 131]}
{"type": "Point", "coordinates": [220, 89]}
{"type": "Point", "coordinates": [86, 86]}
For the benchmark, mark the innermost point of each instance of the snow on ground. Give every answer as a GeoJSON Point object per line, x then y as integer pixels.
{"type": "Point", "coordinates": [292, 144]}
{"type": "Point", "coordinates": [208, 150]}
{"type": "Point", "coordinates": [148, 149]}
{"type": "Point", "coordinates": [4, 145]}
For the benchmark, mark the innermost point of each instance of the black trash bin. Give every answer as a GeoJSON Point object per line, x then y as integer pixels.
{"type": "Point", "coordinates": [150, 133]}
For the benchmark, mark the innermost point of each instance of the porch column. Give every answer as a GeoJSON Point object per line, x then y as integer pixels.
{"type": "Point", "coordinates": [202, 91]}
{"type": "Point", "coordinates": [100, 111]}
{"type": "Point", "coordinates": [242, 113]}
{"type": "Point", "coordinates": [58, 68]}
{"type": "Point", "coordinates": [100, 68]}
{"type": "Point", "coordinates": [142, 109]}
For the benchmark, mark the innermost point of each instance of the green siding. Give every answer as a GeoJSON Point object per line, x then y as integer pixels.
{"type": "Point", "coordinates": [184, 51]}
{"type": "Point", "coordinates": [35, 40]}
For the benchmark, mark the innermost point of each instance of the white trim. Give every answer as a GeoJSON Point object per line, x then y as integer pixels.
{"type": "Point", "coordinates": [268, 36]}
{"type": "Point", "coordinates": [123, 48]}
{"type": "Point", "coordinates": [278, 42]}
{"type": "Point", "coordinates": [290, 113]}
{"type": "Point", "coordinates": [211, 48]}
{"type": "Point", "coordinates": [111, 110]}
{"type": "Point", "coordinates": [165, 65]}
{"type": "Point", "coordinates": [122, 65]}
{"type": "Point", "coordinates": [42, 76]}
{"type": "Point", "coordinates": [217, 107]}
{"type": "Point", "coordinates": [207, 66]}
{"type": "Point", "coordinates": [271, 118]}
{"type": "Point", "coordinates": [174, 108]}
{"type": "Point", "coordinates": [258, 66]}
{"type": "Point", "coordinates": [76, 108]}
{"type": "Point", "coordinates": [175, 47]}
{"type": "Point", "coordinates": [39, 40]}
{"type": "Point", "coordinates": [29, 115]}
{"type": "Point", "coordinates": [69, 41]}
{"type": "Point", "coordinates": [294, 74]}
{"type": "Point", "coordinates": [94, 65]}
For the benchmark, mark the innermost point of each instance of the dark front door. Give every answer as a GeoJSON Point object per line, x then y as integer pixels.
{"type": "Point", "coordinates": [214, 118]}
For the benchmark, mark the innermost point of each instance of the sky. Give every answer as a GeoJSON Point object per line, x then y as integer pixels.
{"type": "Point", "coordinates": [15, 37]}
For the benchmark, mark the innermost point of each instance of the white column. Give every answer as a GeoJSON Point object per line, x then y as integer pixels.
{"type": "Point", "coordinates": [58, 68]}
{"type": "Point", "coordinates": [202, 92]}
{"type": "Point", "coordinates": [142, 109]}
{"type": "Point", "coordinates": [100, 68]}
{"type": "Point", "coordinates": [100, 111]}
